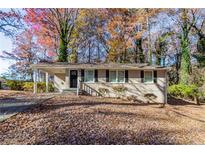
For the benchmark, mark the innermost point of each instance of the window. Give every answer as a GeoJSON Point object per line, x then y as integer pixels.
{"type": "Point", "coordinates": [89, 76]}
{"type": "Point", "coordinates": [121, 76]}
{"type": "Point", "coordinates": [117, 76]}
{"type": "Point", "coordinates": [148, 76]}
{"type": "Point", "coordinates": [113, 76]}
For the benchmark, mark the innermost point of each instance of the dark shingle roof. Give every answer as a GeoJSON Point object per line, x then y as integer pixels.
{"type": "Point", "coordinates": [97, 65]}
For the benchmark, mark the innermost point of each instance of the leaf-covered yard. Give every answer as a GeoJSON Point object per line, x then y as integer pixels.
{"type": "Point", "coordinates": [68, 119]}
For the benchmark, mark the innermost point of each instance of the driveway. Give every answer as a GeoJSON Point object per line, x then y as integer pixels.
{"type": "Point", "coordinates": [13, 102]}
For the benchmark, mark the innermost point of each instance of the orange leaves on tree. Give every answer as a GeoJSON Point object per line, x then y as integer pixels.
{"type": "Point", "coordinates": [44, 31]}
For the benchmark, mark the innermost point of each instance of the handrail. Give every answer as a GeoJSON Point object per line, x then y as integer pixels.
{"type": "Point", "coordinates": [86, 88]}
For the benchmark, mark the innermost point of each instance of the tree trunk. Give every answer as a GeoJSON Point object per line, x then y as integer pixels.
{"type": "Point", "coordinates": [73, 58]}
{"type": "Point", "coordinates": [139, 55]}
{"type": "Point", "coordinates": [185, 60]}
{"type": "Point", "coordinates": [89, 52]}
{"type": "Point", "coordinates": [63, 50]}
{"type": "Point", "coordinates": [125, 56]}
{"type": "Point", "coordinates": [196, 100]}
{"type": "Point", "coordinates": [149, 43]}
{"type": "Point", "coordinates": [178, 62]}
{"type": "Point", "coordinates": [98, 53]}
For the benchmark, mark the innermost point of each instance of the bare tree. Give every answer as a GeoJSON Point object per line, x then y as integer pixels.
{"type": "Point", "coordinates": [10, 21]}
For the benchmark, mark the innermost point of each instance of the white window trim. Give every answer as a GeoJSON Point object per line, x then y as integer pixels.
{"type": "Point", "coordinates": [93, 76]}
{"type": "Point", "coordinates": [152, 76]}
{"type": "Point", "coordinates": [117, 76]}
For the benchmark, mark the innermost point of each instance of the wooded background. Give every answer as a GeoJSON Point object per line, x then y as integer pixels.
{"type": "Point", "coordinates": [175, 37]}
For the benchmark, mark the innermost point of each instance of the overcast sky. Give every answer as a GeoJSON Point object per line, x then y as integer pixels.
{"type": "Point", "coordinates": [5, 45]}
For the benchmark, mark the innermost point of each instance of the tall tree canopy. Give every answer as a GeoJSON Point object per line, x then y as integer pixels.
{"type": "Point", "coordinates": [54, 26]}
{"type": "Point", "coordinates": [26, 52]}
{"type": "Point", "coordinates": [108, 35]}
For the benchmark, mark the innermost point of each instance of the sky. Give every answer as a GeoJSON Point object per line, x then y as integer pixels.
{"type": "Point", "coordinates": [5, 45]}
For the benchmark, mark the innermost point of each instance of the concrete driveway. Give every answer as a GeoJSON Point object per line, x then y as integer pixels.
{"type": "Point", "coordinates": [9, 109]}
{"type": "Point", "coordinates": [12, 102]}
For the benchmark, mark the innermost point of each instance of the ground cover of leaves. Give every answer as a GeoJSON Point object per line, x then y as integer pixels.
{"type": "Point", "coordinates": [68, 119]}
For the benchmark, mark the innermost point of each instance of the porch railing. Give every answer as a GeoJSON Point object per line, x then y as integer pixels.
{"type": "Point", "coordinates": [85, 88]}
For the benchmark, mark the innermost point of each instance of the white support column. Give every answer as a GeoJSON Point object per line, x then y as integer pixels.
{"type": "Point", "coordinates": [46, 82]}
{"type": "Point", "coordinates": [35, 81]}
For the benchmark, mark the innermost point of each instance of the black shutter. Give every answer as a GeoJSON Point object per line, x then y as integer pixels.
{"type": "Point", "coordinates": [155, 76]}
{"type": "Point", "coordinates": [142, 76]}
{"type": "Point", "coordinates": [82, 75]}
{"type": "Point", "coordinates": [107, 75]}
{"type": "Point", "coordinates": [96, 75]}
{"type": "Point", "coordinates": [126, 75]}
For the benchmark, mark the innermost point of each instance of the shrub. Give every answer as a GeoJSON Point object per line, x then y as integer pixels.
{"type": "Point", "coordinates": [184, 91]}
{"type": "Point", "coordinates": [103, 91]}
{"type": "Point", "coordinates": [120, 90]}
{"type": "Point", "coordinates": [150, 96]}
{"type": "Point", "coordinates": [197, 77]}
{"type": "Point", "coordinates": [28, 86]}
{"type": "Point", "coordinates": [132, 98]}
{"type": "Point", "coordinates": [42, 87]}
{"type": "Point", "coordinates": [202, 93]}
{"type": "Point", "coordinates": [14, 84]}
{"type": "Point", "coordinates": [51, 87]}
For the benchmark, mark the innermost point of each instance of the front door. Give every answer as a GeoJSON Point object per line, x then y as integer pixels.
{"type": "Point", "coordinates": [73, 78]}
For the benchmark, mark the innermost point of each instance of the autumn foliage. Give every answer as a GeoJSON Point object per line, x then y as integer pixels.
{"type": "Point", "coordinates": [174, 37]}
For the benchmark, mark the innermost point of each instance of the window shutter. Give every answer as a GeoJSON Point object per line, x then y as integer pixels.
{"type": "Point", "coordinates": [96, 75]}
{"type": "Point", "coordinates": [107, 75]}
{"type": "Point", "coordinates": [142, 76]}
{"type": "Point", "coordinates": [155, 76]}
{"type": "Point", "coordinates": [126, 75]}
{"type": "Point", "coordinates": [82, 75]}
